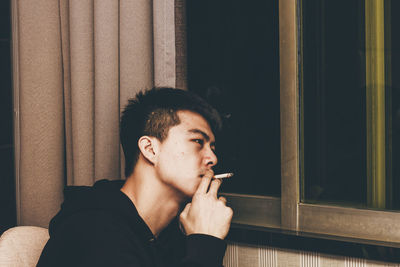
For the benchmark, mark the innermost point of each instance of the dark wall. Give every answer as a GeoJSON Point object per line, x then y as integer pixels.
{"type": "Point", "coordinates": [7, 184]}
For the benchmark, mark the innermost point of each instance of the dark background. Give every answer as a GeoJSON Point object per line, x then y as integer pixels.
{"type": "Point", "coordinates": [7, 184]}
{"type": "Point", "coordinates": [394, 100]}
{"type": "Point", "coordinates": [233, 60]}
{"type": "Point", "coordinates": [334, 102]}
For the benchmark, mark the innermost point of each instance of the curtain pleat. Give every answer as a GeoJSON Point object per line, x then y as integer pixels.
{"type": "Point", "coordinates": [41, 137]}
{"type": "Point", "coordinates": [82, 90]}
{"type": "Point", "coordinates": [164, 43]}
{"type": "Point", "coordinates": [106, 92]}
{"type": "Point", "coordinates": [180, 44]}
{"type": "Point", "coordinates": [136, 48]}
{"type": "Point", "coordinates": [64, 19]}
{"type": "Point", "coordinates": [76, 64]}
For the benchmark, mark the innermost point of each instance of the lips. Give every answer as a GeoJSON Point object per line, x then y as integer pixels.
{"type": "Point", "coordinates": [202, 172]}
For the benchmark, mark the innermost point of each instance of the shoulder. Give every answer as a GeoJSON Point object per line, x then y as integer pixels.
{"type": "Point", "coordinates": [95, 224]}
{"type": "Point", "coordinates": [92, 236]}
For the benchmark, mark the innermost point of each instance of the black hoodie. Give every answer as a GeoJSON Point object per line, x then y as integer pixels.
{"type": "Point", "coordinates": [100, 226]}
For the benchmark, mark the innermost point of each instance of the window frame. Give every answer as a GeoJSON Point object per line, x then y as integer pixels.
{"type": "Point", "coordinates": [287, 212]}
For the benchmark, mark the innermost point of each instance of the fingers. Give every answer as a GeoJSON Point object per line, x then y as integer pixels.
{"type": "Point", "coordinates": [215, 184]}
{"type": "Point", "coordinates": [202, 189]}
{"type": "Point", "coordinates": [205, 182]}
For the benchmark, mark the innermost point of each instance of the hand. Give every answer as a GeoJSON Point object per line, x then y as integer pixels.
{"type": "Point", "coordinates": [207, 214]}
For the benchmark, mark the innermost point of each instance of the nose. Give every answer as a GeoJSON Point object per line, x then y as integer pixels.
{"type": "Point", "coordinates": [210, 158]}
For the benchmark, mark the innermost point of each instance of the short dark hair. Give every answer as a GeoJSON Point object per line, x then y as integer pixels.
{"type": "Point", "coordinates": [153, 112]}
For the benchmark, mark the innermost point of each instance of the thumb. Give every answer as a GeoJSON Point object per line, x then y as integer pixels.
{"type": "Point", "coordinates": [183, 217]}
{"type": "Point", "coordinates": [185, 211]}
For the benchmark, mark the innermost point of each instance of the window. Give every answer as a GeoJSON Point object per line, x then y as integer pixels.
{"type": "Point", "coordinates": [333, 95]}
{"type": "Point", "coordinates": [350, 104]}
{"type": "Point", "coordinates": [349, 123]}
{"type": "Point", "coordinates": [339, 129]}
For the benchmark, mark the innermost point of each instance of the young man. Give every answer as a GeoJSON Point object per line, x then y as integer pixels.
{"type": "Point", "coordinates": [168, 138]}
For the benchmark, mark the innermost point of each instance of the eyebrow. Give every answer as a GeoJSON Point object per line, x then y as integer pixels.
{"type": "Point", "coordinates": [198, 131]}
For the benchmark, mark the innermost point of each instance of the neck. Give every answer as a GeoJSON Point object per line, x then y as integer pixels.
{"type": "Point", "coordinates": [155, 202]}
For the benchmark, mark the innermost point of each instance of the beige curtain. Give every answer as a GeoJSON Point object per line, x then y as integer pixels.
{"type": "Point", "coordinates": [75, 65]}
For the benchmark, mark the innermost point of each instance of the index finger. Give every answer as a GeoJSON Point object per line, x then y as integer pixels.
{"type": "Point", "coordinates": [215, 184]}
{"type": "Point", "coordinates": [203, 186]}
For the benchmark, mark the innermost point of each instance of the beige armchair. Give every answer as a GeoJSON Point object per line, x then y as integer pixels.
{"type": "Point", "coordinates": [21, 246]}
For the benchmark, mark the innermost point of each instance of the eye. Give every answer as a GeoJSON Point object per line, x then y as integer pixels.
{"type": "Point", "coordinates": [199, 141]}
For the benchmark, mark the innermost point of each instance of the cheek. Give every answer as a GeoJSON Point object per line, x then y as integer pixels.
{"type": "Point", "coordinates": [172, 164]}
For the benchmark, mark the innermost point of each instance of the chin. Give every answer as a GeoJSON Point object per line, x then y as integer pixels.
{"type": "Point", "coordinates": [189, 193]}
{"type": "Point", "coordinates": [190, 189]}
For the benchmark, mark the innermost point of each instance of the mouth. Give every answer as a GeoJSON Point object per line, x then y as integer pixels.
{"type": "Point", "coordinates": [202, 172]}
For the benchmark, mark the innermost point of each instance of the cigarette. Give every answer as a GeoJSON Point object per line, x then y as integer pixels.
{"type": "Point", "coordinates": [223, 175]}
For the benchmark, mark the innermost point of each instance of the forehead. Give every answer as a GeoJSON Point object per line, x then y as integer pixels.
{"type": "Point", "coordinates": [191, 120]}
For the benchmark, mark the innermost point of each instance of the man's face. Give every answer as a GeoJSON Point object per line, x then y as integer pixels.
{"type": "Point", "coordinates": [186, 153]}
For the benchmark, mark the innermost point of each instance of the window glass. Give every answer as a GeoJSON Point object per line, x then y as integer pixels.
{"type": "Point", "coordinates": [349, 85]}
{"type": "Point", "coordinates": [233, 60]}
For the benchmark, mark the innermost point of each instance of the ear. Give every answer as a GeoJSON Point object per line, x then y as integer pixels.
{"type": "Point", "coordinates": [148, 147]}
